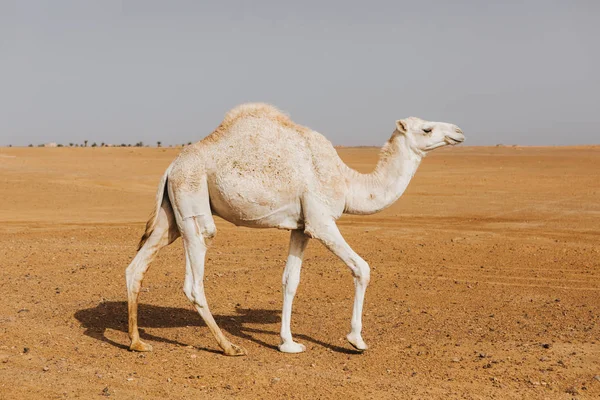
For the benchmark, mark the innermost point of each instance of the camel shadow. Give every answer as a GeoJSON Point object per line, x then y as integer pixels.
{"type": "Point", "coordinates": [113, 315]}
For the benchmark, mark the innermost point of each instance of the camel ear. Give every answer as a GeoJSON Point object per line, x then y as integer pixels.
{"type": "Point", "coordinates": [401, 126]}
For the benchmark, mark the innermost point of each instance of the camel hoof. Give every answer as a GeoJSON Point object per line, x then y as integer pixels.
{"type": "Point", "coordinates": [292, 347]}
{"type": "Point", "coordinates": [235, 351]}
{"type": "Point", "coordinates": [140, 346]}
{"type": "Point", "coordinates": [357, 341]}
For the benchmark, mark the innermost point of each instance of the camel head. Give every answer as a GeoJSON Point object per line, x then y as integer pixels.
{"type": "Point", "coordinates": [424, 136]}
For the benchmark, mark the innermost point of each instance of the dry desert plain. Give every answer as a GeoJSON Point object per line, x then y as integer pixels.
{"type": "Point", "coordinates": [485, 284]}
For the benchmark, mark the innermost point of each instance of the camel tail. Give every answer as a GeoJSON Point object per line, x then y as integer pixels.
{"type": "Point", "coordinates": [161, 196]}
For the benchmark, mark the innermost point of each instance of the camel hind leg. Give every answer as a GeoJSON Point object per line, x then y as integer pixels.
{"type": "Point", "coordinates": [197, 227]}
{"type": "Point", "coordinates": [164, 233]}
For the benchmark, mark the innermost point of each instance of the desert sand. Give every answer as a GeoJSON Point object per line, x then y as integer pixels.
{"type": "Point", "coordinates": [485, 284]}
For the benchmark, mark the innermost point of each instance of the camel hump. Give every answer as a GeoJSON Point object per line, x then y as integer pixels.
{"type": "Point", "coordinates": [253, 111]}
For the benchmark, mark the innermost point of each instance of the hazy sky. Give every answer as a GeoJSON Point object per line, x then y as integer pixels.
{"type": "Point", "coordinates": [524, 72]}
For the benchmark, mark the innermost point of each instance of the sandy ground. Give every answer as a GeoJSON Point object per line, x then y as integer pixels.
{"type": "Point", "coordinates": [485, 284]}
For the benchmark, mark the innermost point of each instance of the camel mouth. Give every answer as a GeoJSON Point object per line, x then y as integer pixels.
{"type": "Point", "coordinates": [454, 141]}
{"type": "Point", "coordinates": [435, 146]}
{"type": "Point", "coordinates": [448, 140]}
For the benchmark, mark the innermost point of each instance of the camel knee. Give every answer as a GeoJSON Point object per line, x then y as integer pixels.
{"type": "Point", "coordinates": [133, 276]}
{"type": "Point", "coordinates": [209, 231]}
{"type": "Point", "coordinates": [195, 294]}
{"type": "Point", "coordinates": [204, 226]}
{"type": "Point", "coordinates": [362, 272]}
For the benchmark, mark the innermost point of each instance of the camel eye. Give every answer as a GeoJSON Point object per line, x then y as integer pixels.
{"type": "Point", "coordinates": [428, 130]}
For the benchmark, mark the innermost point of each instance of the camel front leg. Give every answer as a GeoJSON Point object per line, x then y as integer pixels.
{"type": "Point", "coordinates": [329, 234]}
{"type": "Point", "coordinates": [290, 281]}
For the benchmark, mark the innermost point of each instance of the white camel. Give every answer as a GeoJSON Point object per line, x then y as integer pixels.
{"type": "Point", "coordinates": [261, 170]}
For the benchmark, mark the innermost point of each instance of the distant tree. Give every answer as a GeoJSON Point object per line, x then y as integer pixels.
{"type": "Point", "coordinates": [139, 144]}
{"type": "Point", "coordinates": [70, 144]}
{"type": "Point", "coordinates": [10, 145]}
{"type": "Point", "coordinates": [30, 145]}
{"type": "Point", "coordinates": [128, 144]}
{"type": "Point", "coordinates": [85, 143]}
{"type": "Point", "coordinates": [123, 145]}
{"type": "Point", "coordinates": [189, 143]}
{"type": "Point", "coordinates": [94, 144]}
{"type": "Point", "coordinates": [59, 145]}
{"type": "Point", "coordinates": [158, 143]}
{"type": "Point", "coordinates": [102, 144]}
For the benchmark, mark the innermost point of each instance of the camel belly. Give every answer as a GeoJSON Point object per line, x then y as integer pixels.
{"type": "Point", "coordinates": [258, 208]}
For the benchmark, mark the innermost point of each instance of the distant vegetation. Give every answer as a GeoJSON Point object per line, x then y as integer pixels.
{"type": "Point", "coordinates": [102, 144]}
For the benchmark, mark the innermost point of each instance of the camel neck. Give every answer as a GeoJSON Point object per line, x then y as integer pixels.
{"type": "Point", "coordinates": [371, 193]}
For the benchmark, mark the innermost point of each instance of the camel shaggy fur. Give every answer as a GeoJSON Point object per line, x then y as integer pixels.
{"type": "Point", "coordinates": [261, 170]}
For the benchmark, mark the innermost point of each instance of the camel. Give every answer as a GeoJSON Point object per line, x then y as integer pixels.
{"type": "Point", "coordinates": [261, 170]}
